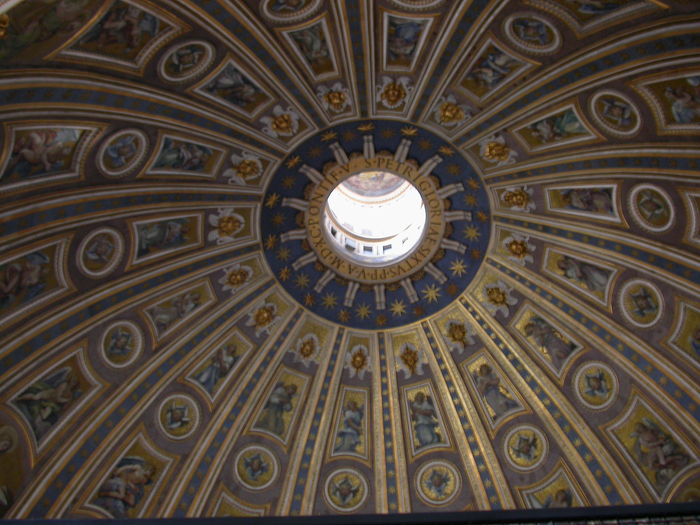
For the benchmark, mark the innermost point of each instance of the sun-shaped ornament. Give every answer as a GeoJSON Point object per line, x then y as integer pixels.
{"type": "Point", "coordinates": [357, 361]}
{"type": "Point", "coordinates": [263, 318]}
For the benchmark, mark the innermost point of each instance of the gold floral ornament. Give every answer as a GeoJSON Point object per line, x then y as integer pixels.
{"type": "Point", "coordinates": [357, 361]}
{"type": "Point", "coordinates": [519, 199]}
{"type": "Point", "coordinates": [236, 277]}
{"type": "Point", "coordinates": [392, 93]}
{"type": "Point", "coordinates": [498, 299]}
{"type": "Point", "coordinates": [335, 98]}
{"type": "Point", "coordinates": [4, 24]}
{"type": "Point", "coordinates": [307, 349]}
{"type": "Point", "coordinates": [227, 224]}
{"type": "Point", "coordinates": [263, 318]}
{"type": "Point", "coordinates": [458, 335]}
{"type": "Point", "coordinates": [411, 360]}
{"type": "Point", "coordinates": [244, 167]}
{"type": "Point", "coordinates": [283, 123]}
{"type": "Point", "coordinates": [449, 114]}
{"type": "Point", "coordinates": [494, 150]}
{"type": "Point", "coordinates": [518, 249]}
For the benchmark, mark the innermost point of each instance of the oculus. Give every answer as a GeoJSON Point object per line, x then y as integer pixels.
{"type": "Point", "coordinates": [375, 217]}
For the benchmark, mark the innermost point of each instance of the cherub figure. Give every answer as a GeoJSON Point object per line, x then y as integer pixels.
{"type": "Point", "coordinates": [345, 491]}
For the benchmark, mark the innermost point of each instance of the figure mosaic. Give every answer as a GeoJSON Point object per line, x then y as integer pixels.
{"type": "Point", "coordinates": [185, 58]}
{"type": "Point", "coordinates": [177, 416]}
{"type": "Point", "coordinates": [438, 483]}
{"type": "Point", "coordinates": [593, 200]}
{"type": "Point", "coordinates": [587, 275]}
{"type": "Point", "coordinates": [236, 88]}
{"type": "Point", "coordinates": [564, 125]}
{"type": "Point", "coordinates": [554, 344]}
{"type": "Point", "coordinates": [403, 36]}
{"type": "Point", "coordinates": [492, 67]}
{"type": "Point", "coordinates": [122, 492]}
{"type": "Point", "coordinates": [425, 420]}
{"type": "Point", "coordinates": [658, 452]}
{"type": "Point", "coordinates": [279, 402]}
{"type": "Point", "coordinates": [219, 365]}
{"type": "Point", "coordinates": [119, 344]}
{"type": "Point", "coordinates": [24, 279]}
{"type": "Point", "coordinates": [180, 155]}
{"type": "Point", "coordinates": [652, 208]}
{"type": "Point", "coordinates": [120, 152]}
{"type": "Point", "coordinates": [256, 467]}
{"type": "Point", "coordinates": [349, 435]}
{"type": "Point", "coordinates": [162, 235]}
{"type": "Point", "coordinates": [37, 21]}
{"type": "Point", "coordinates": [314, 46]}
{"type": "Point", "coordinates": [46, 401]}
{"type": "Point", "coordinates": [561, 499]}
{"type": "Point", "coordinates": [595, 7]}
{"type": "Point", "coordinates": [165, 314]}
{"type": "Point", "coordinates": [533, 31]}
{"type": "Point", "coordinates": [492, 391]}
{"type": "Point", "coordinates": [685, 100]}
{"type": "Point", "coordinates": [10, 479]}
{"type": "Point", "coordinates": [617, 112]}
{"type": "Point", "coordinates": [525, 447]}
{"type": "Point", "coordinates": [99, 251]}
{"type": "Point", "coordinates": [123, 31]}
{"type": "Point", "coordinates": [45, 151]}
{"type": "Point", "coordinates": [596, 385]}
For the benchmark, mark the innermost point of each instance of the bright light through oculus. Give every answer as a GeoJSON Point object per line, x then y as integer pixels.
{"type": "Point", "coordinates": [375, 217]}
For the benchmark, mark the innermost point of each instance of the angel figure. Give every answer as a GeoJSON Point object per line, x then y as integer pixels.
{"type": "Point", "coordinates": [47, 400]}
{"type": "Point", "coordinates": [658, 451]}
{"type": "Point", "coordinates": [126, 487]}
{"type": "Point", "coordinates": [177, 416]}
{"type": "Point", "coordinates": [349, 434]}
{"type": "Point", "coordinates": [345, 491]}
{"type": "Point", "coordinates": [438, 482]}
{"type": "Point", "coordinates": [219, 366]}
{"type": "Point", "coordinates": [561, 499]}
{"type": "Point", "coordinates": [255, 466]}
{"type": "Point", "coordinates": [596, 384]}
{"type": "Point", "coordinates": [458, 335]}
{"type": "Point", "coordinates": [489, 386]}
{"type": "Point", "coordinates": [526, 447]}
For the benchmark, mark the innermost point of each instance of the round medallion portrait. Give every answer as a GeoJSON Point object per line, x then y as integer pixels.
{"type": "Point", "coordinates": [100, 252]}
{"type": "Point", "coordinates": [346, 490]}
{"type": "Point", "coordinates": [256, 467]}
{"type": "Point", "coordinates": [122, 152]}
{"type": "Point", "coordinates": [641, 303]}
{"type": "Point", "coordinates": [417, 5]}
{"type": "Point", "coordinates": [288, 11]}
{"type": "Point", "coordinates": [532, 33]}
{"type": "Point", "coordinates": [438, 483]}
{"type": "Point", "coordinates": [382, 230]}
{"type": "Point", "coordinates": [615, 113]}
{"type": "Point", "coordinates": [595, 385]}
{"type": "Point", "coordinates": [525, 448]}
{"type": "Point", "coordinates": [186, 61]}
{"type": "Point", "coordinates": [8, 439]}
{"type": "Point", "coordinates": [121, 344]}
{"type": "Point", "coordinates": [178, 416]}
{"type": "Point", "coordinates": [651, 208]}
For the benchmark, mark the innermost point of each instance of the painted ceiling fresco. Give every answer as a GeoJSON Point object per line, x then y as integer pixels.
{"type": "Point", "coordinates": [178, 340]}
